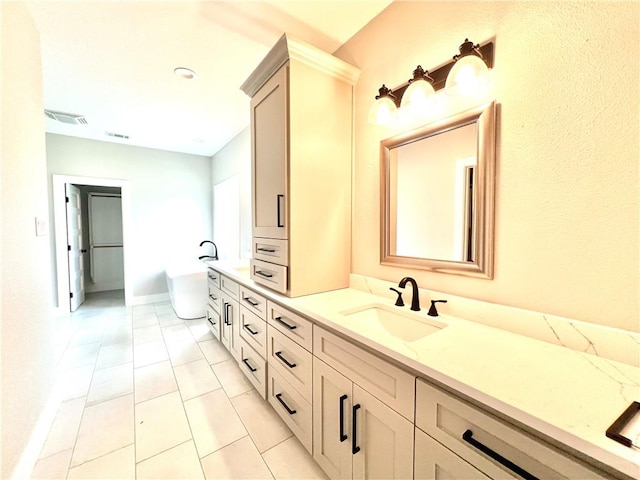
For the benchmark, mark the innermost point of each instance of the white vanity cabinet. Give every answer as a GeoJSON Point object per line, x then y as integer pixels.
{"type": "Point", "coordinates": [253, 339]}
{"type": "Point", "coordinates": [357, 434]}
{"type": "Point", "coordinates": [213, 313]}
{"type": "Point", "coordinates": [301, 147]}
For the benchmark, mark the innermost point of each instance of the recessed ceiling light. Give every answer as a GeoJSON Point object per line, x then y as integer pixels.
{"type": "Point", "coordinates": [185, 73]}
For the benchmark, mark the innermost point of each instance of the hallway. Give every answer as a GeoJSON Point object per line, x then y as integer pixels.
{"type": "Point", "coordinates": [148, 395]}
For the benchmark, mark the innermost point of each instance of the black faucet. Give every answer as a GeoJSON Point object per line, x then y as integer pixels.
{"type": "Point", "coordinates": [415, 297]}
{"type": "Point", "coordinates": [215, 251]}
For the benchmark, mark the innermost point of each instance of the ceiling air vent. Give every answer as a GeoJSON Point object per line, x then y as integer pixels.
{"type": "Point", "coordinates": [117, 135]}
{"type": "Point", "coordinates": [63, 117]}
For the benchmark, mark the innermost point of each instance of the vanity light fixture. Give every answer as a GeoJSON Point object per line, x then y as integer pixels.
{"type": "Point", "coordinates": [470, 73]}
{"type": "Point", "coordinates": [467, 74]}
{"type": "Point", "coordinates": [385, 109]}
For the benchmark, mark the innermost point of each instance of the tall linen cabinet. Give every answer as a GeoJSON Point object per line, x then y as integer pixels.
{"type": "Point", "coordinates": [302, 143]}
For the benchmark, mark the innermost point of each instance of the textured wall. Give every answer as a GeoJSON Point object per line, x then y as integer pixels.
{"type": "Point", "coordinates": [26, 351]}
{"type": "Point", "coordinates": [567, 204]}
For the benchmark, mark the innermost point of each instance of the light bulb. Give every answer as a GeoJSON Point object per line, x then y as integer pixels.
{"type": "Point", "coordinates": [468, 77]}
{"type": "Point", "coordinates": [383, 112]}
{"type": "Point", "coordinates": [417, 98]}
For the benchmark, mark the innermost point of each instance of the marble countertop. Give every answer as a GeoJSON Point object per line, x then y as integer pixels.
{"type": "Point", "coordinates": [569, 396]}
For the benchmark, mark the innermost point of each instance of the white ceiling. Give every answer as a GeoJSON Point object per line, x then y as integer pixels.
{"type": "Point", "coordinates": [113, 61]}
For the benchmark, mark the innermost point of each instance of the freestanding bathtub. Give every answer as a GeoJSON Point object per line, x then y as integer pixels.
{"type": "Point", "coordinates": [187, 282]}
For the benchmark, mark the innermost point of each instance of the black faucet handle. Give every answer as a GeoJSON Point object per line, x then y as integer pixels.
{"type": "Point", "coordinates": [399, 302]}
{"type": "Point", "coordinates": [433, 311]}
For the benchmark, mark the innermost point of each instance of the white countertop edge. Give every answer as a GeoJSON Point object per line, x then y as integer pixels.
{"type": "Point", "coordinates": [586, 448]}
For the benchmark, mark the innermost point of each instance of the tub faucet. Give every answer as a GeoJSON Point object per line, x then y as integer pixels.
{"type": "Point", "coordinates": [215, 251]}
{"type": "Point", "coordinates": [415, 296]}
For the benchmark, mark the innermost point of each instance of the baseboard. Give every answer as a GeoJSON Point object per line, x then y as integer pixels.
{"type": "Point", "coordinates": [24, 469]}
{"type": "Point", "coordinates": [146, 299]}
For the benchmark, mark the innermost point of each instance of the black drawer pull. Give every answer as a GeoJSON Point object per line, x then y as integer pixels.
{"type": "Point", "coordinates": [467, 436]}
{"type": "Point", "coordinates": [279, 355]}
{"type": "Point", "coordinates": [263, 274]}
{"type": "Point", "coordinates": [266, 250]}
{"type": "Point", "coordinates": [212, 277]}
{"type": "Point", "coordinates": [289, 411]}
{"type": "Point", "coordinates": [248, 328]}
{"type": "Point", "coordinates": [343, 436]}
{"type": "Point", "coordinates": [215, 299]}
{"type": "Point", "coordinates": [246, 362]}
{"type": "Point", "coordinates": [354, 446]}
{"type": "Point", "coordinates": [250, 301]}
{"type": "Point", "coordinates": [290, 327]}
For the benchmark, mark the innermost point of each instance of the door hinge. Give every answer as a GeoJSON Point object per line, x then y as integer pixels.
{"type": "Point", "coordinates": [68, 248]}
{"type": "Point", "coordinates": [66, 199]}
{"type": "Point", "coordinates": [70, 294]}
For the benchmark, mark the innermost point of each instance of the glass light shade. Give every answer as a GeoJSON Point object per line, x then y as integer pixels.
{"type": "Point", "coordinates": [417, 97]}
{"type": "Point", "coordinates": [468, 77]}
{"type": "Point", "coordinates": [383, 112]}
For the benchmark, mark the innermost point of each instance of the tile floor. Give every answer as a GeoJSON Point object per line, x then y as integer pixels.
{"type": "Point", "coordinates": [148, 395]}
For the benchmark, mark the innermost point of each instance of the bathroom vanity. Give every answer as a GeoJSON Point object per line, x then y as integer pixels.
{"type": "Point", "coordinates": [376, 391]}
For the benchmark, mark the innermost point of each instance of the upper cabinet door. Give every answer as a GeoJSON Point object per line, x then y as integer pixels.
{"type": "Point", "coordinates": [269, 124]}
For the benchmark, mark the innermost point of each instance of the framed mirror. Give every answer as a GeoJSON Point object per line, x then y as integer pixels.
{"type": "Point", "coordinates": [437, 195]}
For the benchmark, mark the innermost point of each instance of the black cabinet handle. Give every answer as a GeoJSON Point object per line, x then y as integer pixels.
{"type": "Point", "coordinates": [266, 250]}
{"type": "Point", "coordinates": [227, 309]}
{"type": "Point", "coordinates": [250, 301]}
{"type": "Point", "coordinates": [212, 277]}
{"type": "Point", "coordinates": [215, 299]}
{"type": "Point", "coordinates": [290, 327]}
{"type": "Point", "coordinates": [343, 436]}
{"type": "Point", "coordinates": [248, 328]}
{"type": "Point", "coordinates": [278, 197]}
{"type": "Point", "coordinates": [467, 436]}
{"type": "Point", "coordinates": [289, 411]}
{"type": "Point", "coordinates": [354, 446]}
{"type": "Point", "coordinates": [263, 274]}
{"type": "Point", "coordinates": [246, 362]}
{"type": "Point", "coordinates": [279, 355]}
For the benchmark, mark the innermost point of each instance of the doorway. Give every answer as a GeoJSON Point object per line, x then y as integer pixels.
{"type": "Point", "coordinates": [72, 265]}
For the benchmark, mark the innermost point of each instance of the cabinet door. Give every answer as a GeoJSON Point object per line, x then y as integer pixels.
{"type": "Point", "coordinates": [230, 331]}
{"type": "Point", "coordinates": [269, 157]}
{"type": "Point", "coordinates": [331, 420]}
{"type": "Point", "coordinates": [436, 462]}
{"type": "Point", "coordinates": [384, 438]}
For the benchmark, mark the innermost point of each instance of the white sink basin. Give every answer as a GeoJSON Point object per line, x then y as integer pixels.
{"type": "Point", "coordinates": [376, 320]}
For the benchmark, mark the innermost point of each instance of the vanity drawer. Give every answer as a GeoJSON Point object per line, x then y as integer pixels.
{"type": "Point", "coordinates": [214, 277]}
{"type": "Point", "coordinates": [432, 460]}
{"type": "Point", "coordinates": [254, 331]}
{"type": "Point", "coordinates": [294, 410]}
{"type": "Point", "coordinates": [213, 321]}
{"type": "Point", "coordinates": [465, 429]}
{"type": "Point", "coordinates": [269, 274]}
{"type": "Point", "coordinates": [229, 287]}
{"type": "Point", "coordinates": [271, 250]}
{"type": "Point", "coordinates": [254, 368]}
{"type": "Point", "coordinates": [214, 297]}
{"type": "Point", "coordinates": [291, 361]}
{"type": "Point", "coordinates": [388, 383]}
{"type": "Point", "coordinates": [253, 302]}
{"type": "Point", "coordinates": [299, 329]}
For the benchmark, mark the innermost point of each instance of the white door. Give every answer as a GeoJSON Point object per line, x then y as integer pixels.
{"type": "Point", "coordinates": [74, 247]}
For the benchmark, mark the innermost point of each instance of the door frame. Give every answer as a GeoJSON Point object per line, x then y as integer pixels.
{"type": "Point", "coordinates": [60, 225]}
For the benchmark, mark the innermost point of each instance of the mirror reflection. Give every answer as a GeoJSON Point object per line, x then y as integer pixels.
{"type": "Point", "coordinates": [437, 195]}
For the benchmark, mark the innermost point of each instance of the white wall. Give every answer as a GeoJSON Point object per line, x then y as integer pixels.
{"type": "Point", "coordinates": [567, 204]}
{"type": "Point", "coordinates": [26, 353]}
{"type": "Point", "coordinates": [170, 200]}
{"type": "Point", "coordinates": [235, 159]}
